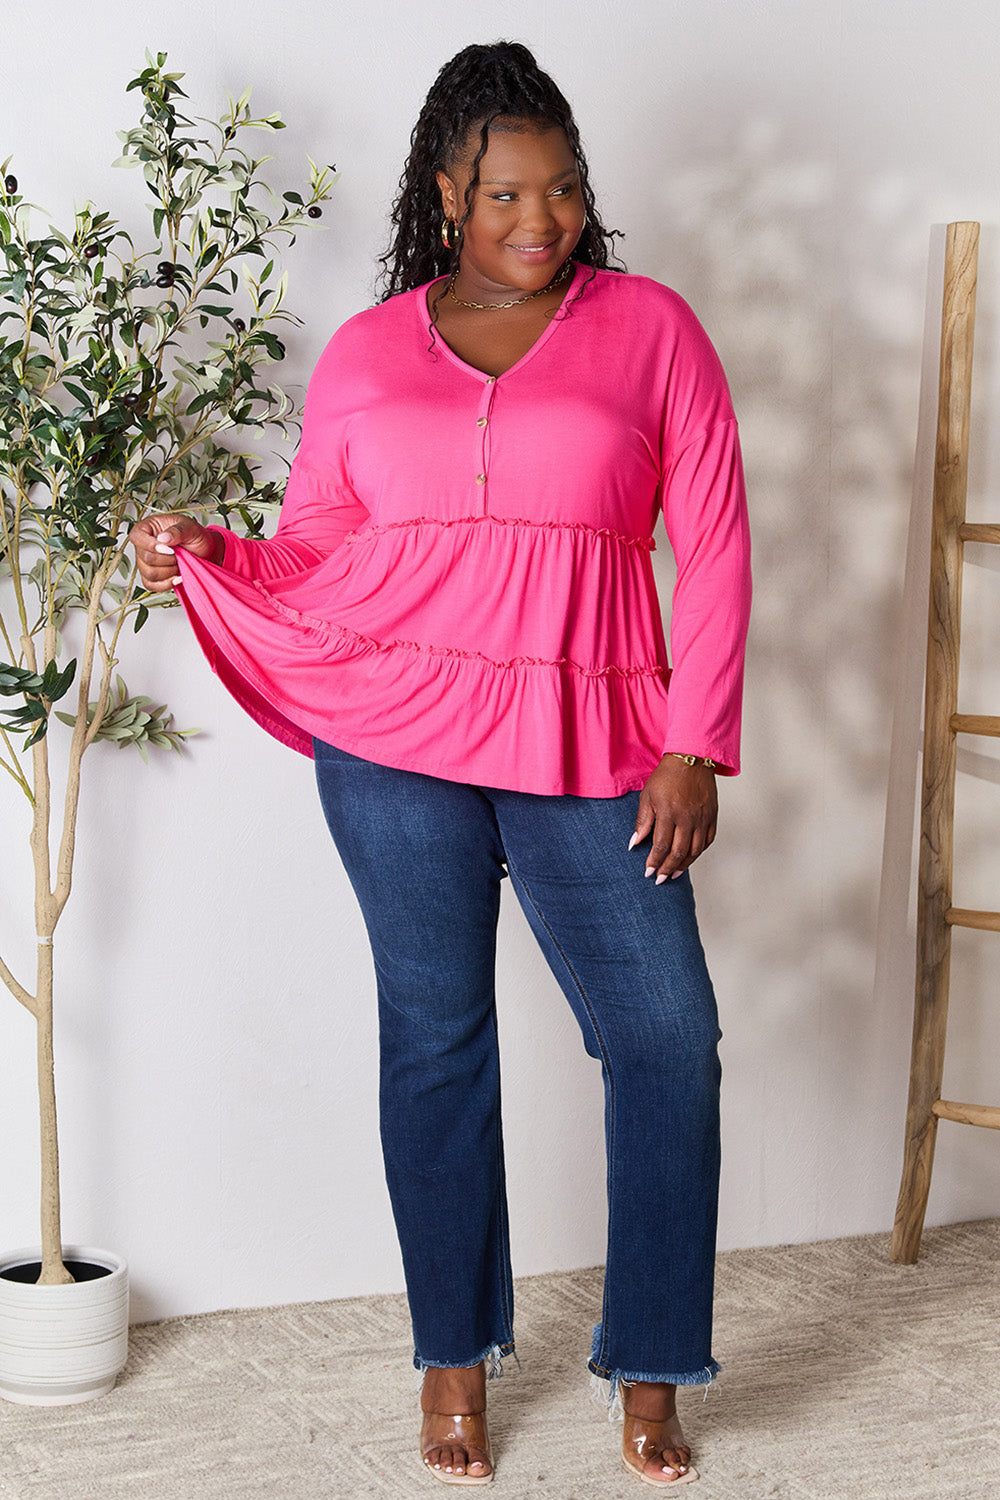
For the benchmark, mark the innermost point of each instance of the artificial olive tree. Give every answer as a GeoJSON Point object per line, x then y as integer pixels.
{"type": "Point", "coordinates": [122, 372]}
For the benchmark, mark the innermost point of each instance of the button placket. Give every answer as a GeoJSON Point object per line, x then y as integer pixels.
{"type": "Point", "coordinates": [484, 412]}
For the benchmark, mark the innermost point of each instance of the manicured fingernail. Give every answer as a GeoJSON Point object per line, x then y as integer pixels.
{"type": "Point", "coordinates": [650, 870]}
{"type": "Point", "coordinates": [677, 875]}
{"type": "Point", "coordinates": [661, 878]}
{"type": "Point", "coordinates": [175, 581]}
{"type": "Point", "coordinates": [633, 841]}
{"type": "Point", "coordinates": [162, 547]}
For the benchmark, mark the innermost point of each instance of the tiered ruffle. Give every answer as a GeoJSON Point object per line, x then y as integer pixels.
{"type": "Point", "coordinates": [398, 648]}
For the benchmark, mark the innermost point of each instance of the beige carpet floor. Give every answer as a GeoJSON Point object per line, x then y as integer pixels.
{"type": "Point", "coordinates": [844, 1375]}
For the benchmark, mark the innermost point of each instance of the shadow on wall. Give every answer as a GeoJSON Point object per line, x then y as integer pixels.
{"type": "Point", "coordinates": [812, 290]}
{"type": "Point", "coordinates": [826, 398]}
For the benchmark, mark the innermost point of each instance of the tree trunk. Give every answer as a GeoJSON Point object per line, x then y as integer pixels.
{"type": "Point", "coordinates": [54, 1272]}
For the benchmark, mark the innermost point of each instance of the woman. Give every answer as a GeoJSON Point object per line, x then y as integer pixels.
{"type": "Point", "coordinates": [457, 618]}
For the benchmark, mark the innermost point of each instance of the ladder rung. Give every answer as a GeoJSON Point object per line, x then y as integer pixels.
{"type": "Point", "coordinates": [988, 921]}
{"type": "Point", "coordinates": [970, 532]}
{"type": "Point", "coordinates": [967, 1114]}
{"type": "Point", "coordinates": [974, 724]}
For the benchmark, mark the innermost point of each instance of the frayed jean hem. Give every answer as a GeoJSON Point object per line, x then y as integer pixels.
{"type": "Point", "coordinates": [492, 1356]}
{"type": "Point", "coordinates": [611, 1397]}
{"type": "Point", "coordinates": [615, 1379]}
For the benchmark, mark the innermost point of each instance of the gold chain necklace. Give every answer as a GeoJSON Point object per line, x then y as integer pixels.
{"type": "Point", "coordinates": [499, 306]}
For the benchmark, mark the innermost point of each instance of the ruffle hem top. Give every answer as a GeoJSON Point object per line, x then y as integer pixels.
{"type": "Point", "coordinates": [460, 582]}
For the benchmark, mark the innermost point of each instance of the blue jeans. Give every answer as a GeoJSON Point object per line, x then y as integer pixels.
{"type": "Point", "coordinates": [425, 857]}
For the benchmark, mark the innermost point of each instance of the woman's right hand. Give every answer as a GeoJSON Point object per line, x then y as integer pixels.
{"type": "Point", "coordinates": [155, 539]}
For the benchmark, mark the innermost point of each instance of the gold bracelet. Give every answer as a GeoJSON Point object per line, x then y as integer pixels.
{"type": "Point", "coordinates": [694, 760]}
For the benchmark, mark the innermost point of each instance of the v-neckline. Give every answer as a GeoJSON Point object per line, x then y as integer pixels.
{"type": "Point", "coordinates": [424, 312]}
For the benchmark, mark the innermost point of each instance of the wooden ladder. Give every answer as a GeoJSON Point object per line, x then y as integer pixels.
{"type": "Point", "coordinates": [942, 723]}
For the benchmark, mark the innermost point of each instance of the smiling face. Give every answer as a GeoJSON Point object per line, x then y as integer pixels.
{"type": "Point", "coordinates": [527, 211]}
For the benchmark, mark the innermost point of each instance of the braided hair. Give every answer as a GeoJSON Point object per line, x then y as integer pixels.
{"type": "Point", "coordinates": [481, 84]}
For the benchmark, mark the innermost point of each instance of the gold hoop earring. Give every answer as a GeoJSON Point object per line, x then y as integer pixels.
{"type": "Point", "coordinates": [447, 226]}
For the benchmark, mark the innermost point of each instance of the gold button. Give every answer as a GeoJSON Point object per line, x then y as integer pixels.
{"type": "Point", "coordinates": [480, 478]}
{"type": "Point", "coordinates": [492, 380]}
{"type": "Point", "coordinates": [480, 421]}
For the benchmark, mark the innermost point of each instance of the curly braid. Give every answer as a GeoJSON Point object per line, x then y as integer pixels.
{"type": "Point", "coordinates": [479, 85]}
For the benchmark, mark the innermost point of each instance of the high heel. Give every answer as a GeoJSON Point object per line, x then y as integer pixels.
{"type": "Point", "coordinates": [468, 1431]}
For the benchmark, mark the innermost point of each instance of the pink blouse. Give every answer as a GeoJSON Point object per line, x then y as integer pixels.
{"type": "Point", "coordinates": [460, 582]}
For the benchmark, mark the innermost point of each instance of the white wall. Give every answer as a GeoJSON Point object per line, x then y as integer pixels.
{"type": "Point", "coordinates": [781, 165]}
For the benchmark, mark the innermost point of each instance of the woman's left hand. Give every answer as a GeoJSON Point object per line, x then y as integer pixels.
{"type": "Point", "coordinates": [679, 805]}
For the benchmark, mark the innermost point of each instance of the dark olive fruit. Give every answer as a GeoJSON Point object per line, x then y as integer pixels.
{"type": "Point", "coordinates": [164, 281]}
{"type": "Point", "coordinates": [94, 459]}
{"type": "Point", "coordinates": [10, 183]}
{"type": "Point", "coordinates": [131, 399]}
{"type": "Point", "coordinates": [91, 251]}
{"type": "Point", "coordinates": [315, 212]}
{"type": "Point", "coordinates": [166, 268]}
{"type": "Point", "coordinates": [239, 325]}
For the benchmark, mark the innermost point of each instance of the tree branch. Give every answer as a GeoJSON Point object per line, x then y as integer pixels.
{"type": "Point", "coordinates": [18, 990]}
{"type": "Point", "coordinates": [13, 769]}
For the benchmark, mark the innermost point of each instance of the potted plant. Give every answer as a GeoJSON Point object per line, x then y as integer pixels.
{"type": "Point", "coordinates": [121, 370]}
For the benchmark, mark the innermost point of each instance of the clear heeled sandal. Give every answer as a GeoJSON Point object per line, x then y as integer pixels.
{"type": "Point", "coordinates": [466, 1431]}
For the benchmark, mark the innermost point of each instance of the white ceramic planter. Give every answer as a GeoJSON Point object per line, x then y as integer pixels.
{"type": "Point", "coordinates": [62, 1344]}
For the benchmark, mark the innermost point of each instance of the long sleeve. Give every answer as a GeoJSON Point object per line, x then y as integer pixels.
{"type": "Point", "coordinates": [705, 514]}
{"type": "Point", "coordinates": [320, 506]}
